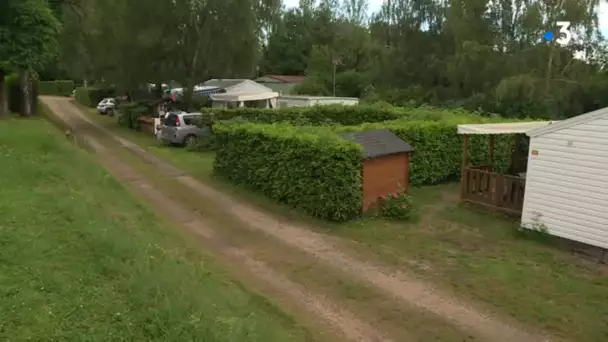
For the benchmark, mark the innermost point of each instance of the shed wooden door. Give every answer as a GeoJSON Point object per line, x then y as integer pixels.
{"type": "Point", "coordinates": [383, 176]}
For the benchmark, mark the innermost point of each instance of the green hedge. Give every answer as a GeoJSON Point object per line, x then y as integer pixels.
{"type": "Point", "coordinates": [309, 168]}
{"type": "Point", "coordinates": [129, 114]}
{"type": "Point", "coordinates": [437, 153]}
{"type": "Point", "coordinates": [56, 88]}
{"type": "Point", "coordinates": [337, 114]}
{"type": "Point", "coordinates": [432, 132]}
{"type": "Point", "coordinates": [91, 96]}
{"type": "Point", "coordinates": [340, 115]}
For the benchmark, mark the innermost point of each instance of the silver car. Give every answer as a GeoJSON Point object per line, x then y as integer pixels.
{"type": "Point", "coordinates": [106, 106]}
{"type": "Point", "coordinates": [183, 128]}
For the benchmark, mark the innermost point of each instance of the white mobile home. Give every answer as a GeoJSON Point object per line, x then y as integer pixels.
{"type": "Point", "coordinates": [566, 190]}
{"type": "Point", "coordinates": [309, 101]}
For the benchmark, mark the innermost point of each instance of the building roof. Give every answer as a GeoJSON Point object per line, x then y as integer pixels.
{"type": "Point", "coordinates": [237, 86]}
{"type": "Point", "coordinates": [287, 78]}
{"type": "Point", "coordinates": [502, 128]}
{"type": "Point", "coordinates": [378, 142]}
{"type": "Point", "coordinates": [314, 97]}
{"type": "Point", "coordinates": [236, 97]}
{"type": "Point", "coordinates": [577, 120]}
{"type": "Point", "coordinates": [206, 90]}
{"type": "Point", "coordinates": [223, 82]}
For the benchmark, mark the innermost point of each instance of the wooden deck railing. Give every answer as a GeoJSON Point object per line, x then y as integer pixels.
{"type": "Point", "coordinates": [492, 189]}
{"type": "Point", "coordinates": [487, 168]}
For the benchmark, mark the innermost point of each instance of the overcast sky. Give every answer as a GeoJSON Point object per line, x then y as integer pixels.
{"type": "Point", "coordinates": [375, 5]}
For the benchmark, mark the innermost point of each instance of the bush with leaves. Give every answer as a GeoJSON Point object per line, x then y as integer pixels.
{"type": "Point", "coordinates": [82, 96]}
{"type": "Point", "coordinates": [309, 168]}
{"type": "Point", "coordinates": [130, 113]}
{"type": "Point", "coordinates": [56, 88]}
{"type": "Point", "coordinates": [397, 206]}
{"type": "Point", "coordinates": [339, 114]}
{"type": "Point", "coordinates": [15, 93]}
{"type": "Point", "coordinates": [202, 144]}
{"type": "Point", "coordinates": [91, 96]}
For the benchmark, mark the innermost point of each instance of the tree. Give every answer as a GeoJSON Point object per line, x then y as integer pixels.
{"type": "Point", "coordinates": [128, 43]}
{"type": "Point", "coordinates": [480, 54]}
{"type": "Point", "coordinates": [28, 39]}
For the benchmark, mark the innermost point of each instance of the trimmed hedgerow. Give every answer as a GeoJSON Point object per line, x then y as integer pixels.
{"type": "Point", "coordinates": [309, 168]}
{"type": "Point", "coordinates": [82, 96]}
{"type": "Point", "coordinates": [437, 153]}
{"type": "Point", "coordinates": [340, 115]}
{"type": "Point", "coordinates": [91, 96]}
{"type": "Point", "coordinates": [432, 132]}
{"type": "Point", "coordinates": [317, 115]}
{"type": "Point", "coordinates": [56, 88]}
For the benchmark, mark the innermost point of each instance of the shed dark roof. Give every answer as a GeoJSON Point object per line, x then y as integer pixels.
{"type": "Point", "coordinates": [378, 142]}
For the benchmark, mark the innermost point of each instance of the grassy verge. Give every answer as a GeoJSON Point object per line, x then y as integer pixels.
{"type": "Point", "coordinates": [476, 254]}
{"type": "Point", "coordinates": [81, 259]}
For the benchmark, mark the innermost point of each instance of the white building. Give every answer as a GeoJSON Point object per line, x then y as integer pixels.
{"type": "Point", "coordinates": [309, 101]}
{"type": "Point", "coordinates": [566, 190]}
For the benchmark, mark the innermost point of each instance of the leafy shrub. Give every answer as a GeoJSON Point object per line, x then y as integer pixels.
{"type": "Point", "coordinates": [11, 82]}
{"type": "Point", "coordinates": [82, 96]}
{"type": "Point", "coordinates": [57, 88]}
{"type": "Point", "coordinates": [342, 115]}
{"type": "Point", "coordinates": [91, 96]}
{"type": "Point", "coordinates": [15, 95]}
{"type": "Point", "coordinates": [309, 168]}
{"type": "Point", "coordinates": [316, 115]}
{"type": "Point", "coordinates": [130, 113]}
{"type": "Point", "coordinates": [138, 95]}
{"type": "Point", "coordinates": [396, 206]}
{"type": "Point", "coordinates": [202, 144]}
{"type": "Point", "coordinates": [312, 85]}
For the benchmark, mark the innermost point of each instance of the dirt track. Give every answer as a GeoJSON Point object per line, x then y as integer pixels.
{"type": "Point", "coordinates": [405, 289]}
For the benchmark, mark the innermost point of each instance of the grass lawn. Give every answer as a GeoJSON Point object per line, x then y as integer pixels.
{"type": "Point", "coordinates": [81, 259]}
{"type": "Point", "coordinates": [476, 254]}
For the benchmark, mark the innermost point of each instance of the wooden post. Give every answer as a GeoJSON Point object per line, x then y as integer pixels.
{"type": "Point", "coordinates": [499, 193]}
{"type": "Point", "coordinates": [515, 156]}
{"type": "Point", "coordinates": [465, 163]}
{"type": "Point", "coordinates": [492, 152]}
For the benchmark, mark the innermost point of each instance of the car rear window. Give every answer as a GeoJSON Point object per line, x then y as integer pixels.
{"type": "Point", "coordinates": [192, 119]}
{"type": "Point", "coordinates": [171, 120]}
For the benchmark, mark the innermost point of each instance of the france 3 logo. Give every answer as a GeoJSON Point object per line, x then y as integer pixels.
{"type": "Point", "coordinates": [564, 35]}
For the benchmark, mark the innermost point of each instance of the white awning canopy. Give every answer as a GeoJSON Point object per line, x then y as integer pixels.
{"type": "Point", "coordinates": [241, 97]}
{"type": "Point", "coordinates": [502, 128]}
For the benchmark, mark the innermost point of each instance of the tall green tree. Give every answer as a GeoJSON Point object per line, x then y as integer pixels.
{"type": "Point", "coordinates": [28, 39]}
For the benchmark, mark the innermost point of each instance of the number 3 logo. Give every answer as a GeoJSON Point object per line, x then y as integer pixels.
{"type": "Point", "coordinates": [564, 33]}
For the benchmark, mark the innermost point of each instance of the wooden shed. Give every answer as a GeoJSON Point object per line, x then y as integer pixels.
{"type": "Point", "coordinates": [386, 164]}
{"type": "Point", "coordinates": [567, 181]}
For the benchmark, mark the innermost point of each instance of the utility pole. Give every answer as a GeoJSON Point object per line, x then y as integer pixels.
{"type": "Point", "coordinates": [390, 19]}
{"type": "Point", "coordinates": [335, 62]}
{"type": "Point", "coordinates": [334, 78]}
